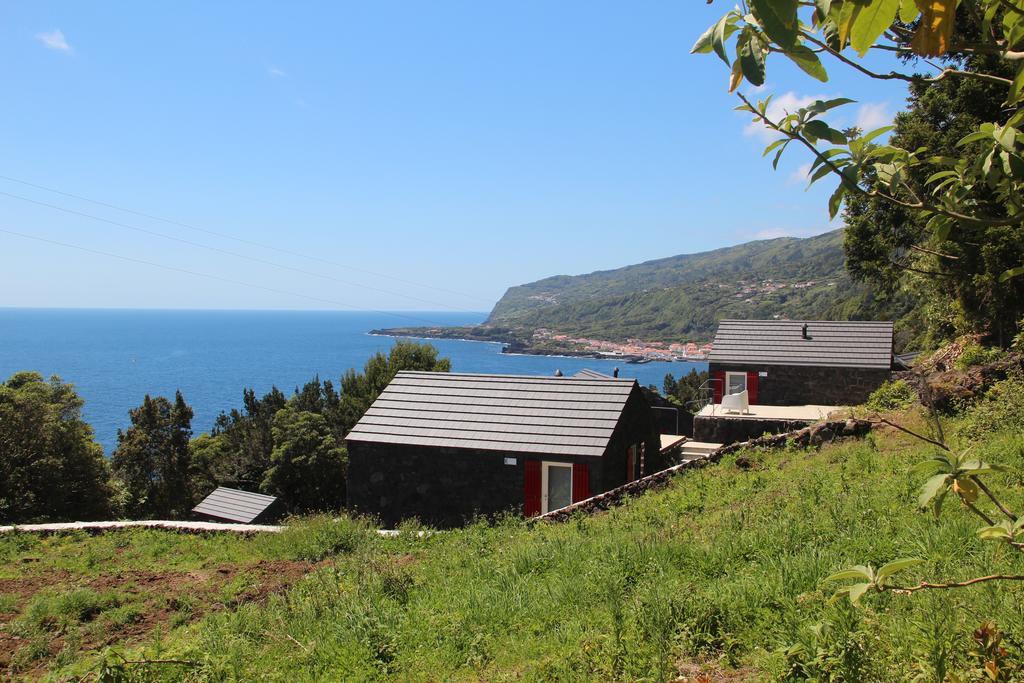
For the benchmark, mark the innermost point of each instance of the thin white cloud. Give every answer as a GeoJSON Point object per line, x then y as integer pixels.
{"type": "Point", "coordinates": [800, 174]}
{"type": "Point", "coordinates": [275, 72]}
{"type": "Point", "coordinates": [785, 103]}
{"type": "Point", "coordinates": [54, 40]}
{"type": "Point", "coordinates": [873, 115]}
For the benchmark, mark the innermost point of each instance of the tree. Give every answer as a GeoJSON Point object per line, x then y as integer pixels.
{"type": "Point", "coordinates": [307, 465]}
{"type": "Point", "coordinates": [685, 391]}
{"type": "Point", "coordinates": [152, 459]}
{"type": "Point", "coordinates": [360, 390]}
{"type": "Point", "coordinates": [243, 440]}
{"type": "Point", "coordinates": [51, 469]}
{"type": "Point", "coordinates": [947, 191]}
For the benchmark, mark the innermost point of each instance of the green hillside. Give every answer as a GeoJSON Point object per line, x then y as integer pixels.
{"type": "Point", "coordinates": [683, 297]}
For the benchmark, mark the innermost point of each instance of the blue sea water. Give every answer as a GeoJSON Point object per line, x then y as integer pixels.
{"type": "Point", "coordinates": [115, 357]}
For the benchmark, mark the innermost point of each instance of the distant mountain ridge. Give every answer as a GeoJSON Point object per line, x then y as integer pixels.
{"type": "Point", "coordinates": [683, 297]}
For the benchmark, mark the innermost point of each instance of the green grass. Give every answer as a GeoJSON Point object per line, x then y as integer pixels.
{"type": "Point", "coordinates": [724, 571]}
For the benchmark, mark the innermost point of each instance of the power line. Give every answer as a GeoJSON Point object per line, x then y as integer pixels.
{"type": "Point", "coordinates": [219, 278]}
{"type": "Point", "coordinates": [240, 239]}
{"type": "Point", "coordinates": [226, 252]}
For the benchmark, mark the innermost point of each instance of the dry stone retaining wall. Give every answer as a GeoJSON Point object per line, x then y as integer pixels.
{"type": "Point", "coordinates": [811, 436]}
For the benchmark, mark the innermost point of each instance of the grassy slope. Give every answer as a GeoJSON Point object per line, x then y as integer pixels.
{"type": "Point", "coordinates": [721, 570]}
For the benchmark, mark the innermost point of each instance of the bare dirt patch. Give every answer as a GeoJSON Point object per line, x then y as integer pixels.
{"type": "Point", "coordinates": [148, 599]}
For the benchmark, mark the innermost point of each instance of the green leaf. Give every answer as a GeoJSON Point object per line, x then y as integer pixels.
{"type": "Point", "coordinates": [1006, 136]}
{"type": "Point", "coordinates": [1011, 273]}
{"type": "Point", "coordinates": [778, 155]}
{"type": "Point", "coordinates": [908, 11]}
{"type": "Point", "coordinates": [857, 591]}
{"type": "Point", "coordinates": [995, 533]}
{"type": "Point", "coordinates": [939, 176]}
{"type": "Point", "coordinates": [751, 52]}
{"type": "Point", "coordinates": [935, 486]}
{"type": "Point", "coordinates": [778, 19]}
{"type": "Point", "coordinates": [703, 44]}
{"type": "Point", "coordinates": [844, 19]}
{"type": "Point", "coordinates": [805, 58]}
{"type": "Point", "coordinates": [836, 200]}
{"type": "Point", "coordinates": [872, 20]}
{"type": "Point", "coordinates": [1016, 88]}
{"type": "Point", "coordinates": [887, 570]}
{"type": "Point", "coordinates": [718, 37]}
{"type": "Point", "coordinates": [858, 572]}
{"type": "Point", "coordinates": [932, 466]}
{"type": "Point", "coordinates": [868, 137]}
{"type": "Point", "coordinates": [816, 129]}
{"type": "Point", "coordinates": [777, 143]}
{"type": "Point", "coordinates": [819, 174]}
{"type": "Point", "coordinates": [822, 106]}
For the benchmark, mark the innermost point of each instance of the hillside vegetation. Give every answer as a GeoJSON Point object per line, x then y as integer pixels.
{"type": "Point", "coordinates": [722, 573]}
{"type": "Point", "coordinates": [683, 297]}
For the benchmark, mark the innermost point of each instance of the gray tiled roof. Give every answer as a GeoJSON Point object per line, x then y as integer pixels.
{"type": "Point", "coordinates": [851, 343]}
{"type": "Point", "coordinates": [511, 413]}
{"type": "Point", "coordinates": [587, 373]}
{"type": "Point", "coordinates": [234, 505]}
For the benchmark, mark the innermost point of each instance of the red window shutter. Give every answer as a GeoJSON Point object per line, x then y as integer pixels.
{"type": "Point", "coordinates": [717, 385]}
{"type": "Point", "coordinates": [752, 378]}
{"type": "Point", "coordinates": [531, 488]}
{"type": "Point", "coordinates": [580, 481]}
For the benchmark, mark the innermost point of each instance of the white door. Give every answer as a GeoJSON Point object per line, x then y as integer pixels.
{"type": "Point", "coordinates": [555, 486]}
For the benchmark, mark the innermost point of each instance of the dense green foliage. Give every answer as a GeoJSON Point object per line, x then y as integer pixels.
{"type": "Point", "coordinates": [721, 572]}
{"type": "Point", "coordinates": [686, 391]}
{"type": "Point", "coordinates": [50, 466]}
{"type": "Point", "coordinates": [152, 459]}
{"type": "Point", "coordinates": [307, 465]}
{"type": "Point", "coordinates": [957, 278]}
{"type": "Point", "coordinates": [941, 198]}
{"type": "Point", "coordinates": [684, 297]}
{"type": "Point", "coordinates": [892, 395]}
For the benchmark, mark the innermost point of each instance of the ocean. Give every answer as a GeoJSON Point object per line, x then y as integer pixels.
{"type": "Point", "coordinates": [115, 357]}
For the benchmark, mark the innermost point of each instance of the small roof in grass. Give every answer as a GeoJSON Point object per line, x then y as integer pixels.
{"type": "Point", "coordinates": [510, 413]}
{"type": "Point", "coordinates": [823, 343]}
{"type": "Point", "coordinates": [233, 505]}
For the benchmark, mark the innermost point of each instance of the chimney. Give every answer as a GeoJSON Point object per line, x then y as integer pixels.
{"type": "Point", "coordinates": [558, 373]}
{"type": "Point", "coordinates": [615, 372]}
{"type": "Point", "coordinates": [803, 332]}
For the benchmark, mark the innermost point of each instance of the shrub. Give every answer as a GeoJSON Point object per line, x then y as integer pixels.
{"type": "Point", "coordinates": [891, 396]}
{"type": "Point", "coordinates": [314, 538]}
{"type": "Point", "coordinates": [1002, 407]}
{"type": "Point", "coordinates": [976, 354]}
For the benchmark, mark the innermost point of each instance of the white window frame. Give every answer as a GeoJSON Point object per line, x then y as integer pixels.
{"type": "Point", "coordinates": [728, 375]}
{"type": "Point", "coordinates": [544, 467]}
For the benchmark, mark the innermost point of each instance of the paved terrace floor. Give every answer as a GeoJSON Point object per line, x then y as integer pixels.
{"type": "Point", "coordinates": [808, 413]}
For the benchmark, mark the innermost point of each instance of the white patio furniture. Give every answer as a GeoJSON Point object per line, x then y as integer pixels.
{"type": "Point", "coordinates": [736, 403]}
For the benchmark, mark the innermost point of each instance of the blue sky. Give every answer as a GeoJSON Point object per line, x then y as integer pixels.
{"type": "Point", "coordinates": [429, 154]}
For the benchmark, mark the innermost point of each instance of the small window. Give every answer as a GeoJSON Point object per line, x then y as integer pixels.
{"type": "Point", "coordinates": [735, 382]}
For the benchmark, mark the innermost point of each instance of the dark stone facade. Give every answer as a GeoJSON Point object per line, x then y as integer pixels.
{"type": "Point", "coordinates": [793, 385]}
{"type": "Point", "coordinates": [446, 487]}
{"type": "Point", "coordinates": [727, 430]}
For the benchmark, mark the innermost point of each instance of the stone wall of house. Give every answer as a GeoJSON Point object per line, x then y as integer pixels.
{"type": "Point", "coordinates": [802, 385]}
{"type": "Point", "coordinates": [442, 487]}
{"type": "Point", "coordinates": [727, 430]}
{"type": "Point", "coordinates": [636, 425]}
